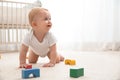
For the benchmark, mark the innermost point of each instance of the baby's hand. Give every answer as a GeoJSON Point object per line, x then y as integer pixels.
{"type": "Point", "coordinates": [23, 65]}
{"type": "Point", "coordinates": [49, 64]}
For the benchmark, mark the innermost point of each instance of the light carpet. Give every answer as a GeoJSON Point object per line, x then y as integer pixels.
{"type": "Point", "coordinates": [97, 66]}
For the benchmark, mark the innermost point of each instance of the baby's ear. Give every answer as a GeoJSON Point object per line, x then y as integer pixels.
{"type": "Point", "coordinates": [33, 24]}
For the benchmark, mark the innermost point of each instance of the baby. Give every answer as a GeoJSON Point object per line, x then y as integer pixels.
{"type": "Point", "coordinates": [39, 41]}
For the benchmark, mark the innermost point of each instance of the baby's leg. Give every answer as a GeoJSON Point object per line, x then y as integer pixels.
{"type": "Point", "coordinates": [32, 57]}
{"type": "Point", "coordinates": [59, 58]}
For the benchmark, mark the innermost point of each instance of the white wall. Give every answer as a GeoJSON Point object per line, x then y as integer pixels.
{"type": "Point", "coordinates": [76, 22]}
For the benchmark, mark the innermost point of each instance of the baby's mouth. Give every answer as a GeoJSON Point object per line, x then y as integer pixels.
{"type": "Point", "coordinates": [48, 25]}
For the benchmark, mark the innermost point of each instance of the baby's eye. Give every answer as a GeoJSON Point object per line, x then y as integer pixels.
{"type": "Point", "coordinates": [50, 18]}
{"type": "Point", "coordinates": [47, 18]}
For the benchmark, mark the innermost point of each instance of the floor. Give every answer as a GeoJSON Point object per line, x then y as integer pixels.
{"type": "Point", "coordinates": [97, 66]}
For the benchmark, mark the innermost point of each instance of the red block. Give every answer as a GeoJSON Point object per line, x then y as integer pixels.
{"type": "Point", "coordinates": [28, 67]}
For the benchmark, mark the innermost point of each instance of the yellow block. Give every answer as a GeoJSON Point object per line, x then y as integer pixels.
{"type": "Point", "coordinates": [70, 62]}
{"type": "Point", "coordinates": [73, 62]}
{"type": "Point", "coordinates": [67, 61]}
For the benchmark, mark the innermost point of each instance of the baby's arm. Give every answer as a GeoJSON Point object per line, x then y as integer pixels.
{"type": "Point", "coordinates": [52, 57]}
{"type": "Point", "coordinates": [22, 56]}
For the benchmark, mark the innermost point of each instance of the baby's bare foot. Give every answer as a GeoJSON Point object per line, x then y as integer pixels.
{"type": "Point", "coordinates": [61, 58]}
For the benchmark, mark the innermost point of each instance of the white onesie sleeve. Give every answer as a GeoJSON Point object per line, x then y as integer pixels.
{"type": "Point", "coordinates": [26, 40]}
{"type": "Point", "coordinates": [52, 39]}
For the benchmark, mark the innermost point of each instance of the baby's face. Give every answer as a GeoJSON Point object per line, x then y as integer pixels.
{"type": "Point", "coordinates": [43, 21]}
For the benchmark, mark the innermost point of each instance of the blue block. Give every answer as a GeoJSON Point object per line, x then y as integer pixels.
{"type": "Point", "coordinates": [34, 71]}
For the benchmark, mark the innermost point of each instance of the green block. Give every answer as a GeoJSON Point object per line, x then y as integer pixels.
{"type": "Point", "coordinates": [76, 72]}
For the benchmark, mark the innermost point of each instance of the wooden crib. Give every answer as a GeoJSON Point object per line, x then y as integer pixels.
{"type": "Point", "coordinates": [14, 23]}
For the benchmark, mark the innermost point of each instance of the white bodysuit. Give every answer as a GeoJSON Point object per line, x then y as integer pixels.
{"type": "Point", "coordinates": [39, 48]}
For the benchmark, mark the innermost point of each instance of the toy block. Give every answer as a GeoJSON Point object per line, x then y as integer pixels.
{"type": "Point", "coordinates": [70, 62]}
{"type": "Point", "coordinates": [76, 72]}
{"type": "Point", "coordinates": [28, 67]}
{"type": "Point", "coordinates": [73, 62]}
{"type": "Point", "coordinates": [67, 61]}
{"type": "Point", "coordinates": [27, 72]}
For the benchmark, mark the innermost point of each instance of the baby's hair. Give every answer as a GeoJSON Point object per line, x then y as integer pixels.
{"type": "Point", "coordinates": [34, 12]}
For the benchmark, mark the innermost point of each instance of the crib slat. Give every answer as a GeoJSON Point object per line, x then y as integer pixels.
{"type": "Point", "coordinates": [13, 23]}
